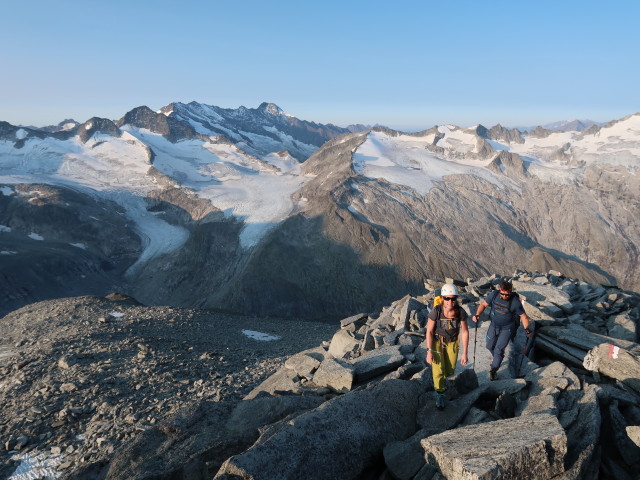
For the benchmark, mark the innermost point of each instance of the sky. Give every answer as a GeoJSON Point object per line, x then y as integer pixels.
{"type": "Point", "coordinates": [405, 64]}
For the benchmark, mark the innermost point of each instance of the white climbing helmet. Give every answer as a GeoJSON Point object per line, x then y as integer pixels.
{"type": "Point", "coordinates": [449, 290]}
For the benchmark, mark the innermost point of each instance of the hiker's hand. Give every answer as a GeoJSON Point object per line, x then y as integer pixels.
{"type": "Point", "coordinates": [464, 360]}
{"type": "Point", "coordinates": [429, 357]}
{"type": "Point", "coordinates": [528, 333]}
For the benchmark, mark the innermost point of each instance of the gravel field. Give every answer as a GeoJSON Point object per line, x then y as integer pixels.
{"type": "Point", "coordinates": [82, 376]}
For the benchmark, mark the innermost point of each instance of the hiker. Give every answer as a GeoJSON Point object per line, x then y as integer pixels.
{"type": "Point", "coordinates": [446, 328]}
{"type": "Point", "coordinates": [506, 314]}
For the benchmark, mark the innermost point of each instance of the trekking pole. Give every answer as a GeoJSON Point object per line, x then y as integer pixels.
{"type": "Point", "coordinates": [475, 339]}
{"type": "Point", "coordinates": [524, 352]}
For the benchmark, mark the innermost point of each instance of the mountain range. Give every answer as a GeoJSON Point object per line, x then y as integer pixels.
{"type": "Point", "coordinates": [256, 211]}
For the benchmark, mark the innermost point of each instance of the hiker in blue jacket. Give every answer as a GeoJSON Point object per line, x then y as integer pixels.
{"type": "Point", "coordinates": [506, 314]}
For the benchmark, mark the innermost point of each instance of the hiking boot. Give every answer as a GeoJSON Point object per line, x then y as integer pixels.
{"type": "Point", "coordinates": [493, 375]}
{"type": "Point", "coordinates": [441, 401]}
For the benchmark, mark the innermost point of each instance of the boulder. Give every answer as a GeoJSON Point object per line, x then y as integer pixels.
{"type": "Point", "coordinates": [306, 362]}
{"type": "Point", "coordinates": [436, 421]}
{"type": "Point", "coordinates": [385, 320]}
{"type": "Point", "coordinates": [583, 452]}
{"type": "Point", "coordinates": [622, 327]}
{"type": "Point", "coordinates": [555, 375]}
{"type": "Point", "coordinates": [407, 307]}
{"type": "Point", "coordinates": [579, 337]}
{"type": "Point", "coordinates": [368, 342]}
{"type": "Point", "coordinates": [543, 403]}
{"type": "Point", "coordinates": [342, 343]}
{"type": "Point", "coordinates": [529, 447]}
{"type": "Point", "coordinates": [628, 450]}
{"type": "Point", "coordinates": [538, 314]}
{"type": "Point", "coordinates": [339, 439]}
{"type": "Point", "coordinates": [356, 320]}
{"type": "Point", "coordinates": [509, 385]}
{"type": "Point", "coordinates": [614, 362]}
{"type": "Point", "coordinates": [334, 374]}
{"type": "Point", "coordinates": [404, 458]}
{"type": "Point", "coordinates": [377, 362]}
{"type": "Point", "coordinates": [462, 382]}
{"type": "Point", "coordinates": [475, 416]}
{"type": "Point", "coordinates": [534, 293]}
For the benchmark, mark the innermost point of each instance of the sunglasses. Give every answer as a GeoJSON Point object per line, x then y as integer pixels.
{"type": "Point", "coordinates": [505, 294]}
{"type": "Point", "coordinates": [449, 299]}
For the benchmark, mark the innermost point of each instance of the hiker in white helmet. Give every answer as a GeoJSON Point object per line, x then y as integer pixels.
{"type": "Point", "coordinates": [446, 327]}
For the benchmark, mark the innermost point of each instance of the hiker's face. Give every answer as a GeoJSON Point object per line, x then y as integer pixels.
{"type": "Point", "coordinates": [505, 293]}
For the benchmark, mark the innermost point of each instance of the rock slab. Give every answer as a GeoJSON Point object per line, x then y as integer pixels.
{"type": "Point", "coordinates": [339, 439]}
{"type": "Point", "coordinates": [531, 447]}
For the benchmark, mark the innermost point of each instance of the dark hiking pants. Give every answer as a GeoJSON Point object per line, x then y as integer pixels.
{"type": "Point", "coordinates": [497, 341]}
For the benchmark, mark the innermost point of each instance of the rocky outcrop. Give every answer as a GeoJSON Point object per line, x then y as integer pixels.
{"type": "Point", "coordinates": [545, 425]}
{"type": "Point", "coordinates": [144, 117]}
{"type": "Point", "coordinates": [339, 439]}
{"type": "Point", "coordinates": [97, 125]}
{"type": "Point", "coordinates": [360, 404]}
{"type": "Point", "coordinates": [500, 133]}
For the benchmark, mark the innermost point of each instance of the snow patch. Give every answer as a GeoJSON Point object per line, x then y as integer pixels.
{"type": "Point", "coordinates": [36, 467]}
{"type": "Point", "coordinates": [405, 160]}
{"type": "Point", "coordinates": [21, 134]}
{"type": "Point", "coordinates": [263, 337]}
{"type": "Point", "coordinates": [6, 191]}
{"type": "Point", "coordinates": [35, 236]}
{"type": "Point", "coordinates": [116, 314]}
{"type": "Point", "coordinates": [4, 228]}
{"type": "Point", "coordinates": [79, 245]}
{"type": "Point", "coordinates": [7, 252]}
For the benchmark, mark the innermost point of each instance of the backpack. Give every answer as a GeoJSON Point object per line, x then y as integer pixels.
{"type": "Point", "coordinates": [434, 302]}
{"type": "Point", "coordinates": [447, 330]}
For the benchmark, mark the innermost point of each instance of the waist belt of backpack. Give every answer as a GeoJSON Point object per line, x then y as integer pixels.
{"type": "Point", "coordinates": [442, 341]}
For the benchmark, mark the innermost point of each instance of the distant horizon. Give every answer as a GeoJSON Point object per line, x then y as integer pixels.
{"type": "Point", "coordinates": [408, 66]}
{"type": "Point", "coordinates": [400, 128]}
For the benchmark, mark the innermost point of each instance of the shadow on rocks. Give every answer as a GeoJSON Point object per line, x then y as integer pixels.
{"type": "Point", "coordinates": [194, 442]}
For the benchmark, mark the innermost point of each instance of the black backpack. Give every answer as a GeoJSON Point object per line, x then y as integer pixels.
{"type": "Point", "coordinates": [447, 330]}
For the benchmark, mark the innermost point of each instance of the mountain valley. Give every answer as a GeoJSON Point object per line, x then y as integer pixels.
{"type": "Point", "coordinates": [255, 211]}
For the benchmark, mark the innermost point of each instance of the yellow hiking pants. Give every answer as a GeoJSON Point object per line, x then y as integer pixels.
{"type": "Point", "coordinates": [444, 362]}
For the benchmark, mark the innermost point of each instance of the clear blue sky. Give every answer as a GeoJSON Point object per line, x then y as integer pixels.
{"type": "Point", "coordinates": [405, 64]}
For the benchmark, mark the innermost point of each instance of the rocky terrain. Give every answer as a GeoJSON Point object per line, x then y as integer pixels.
{"type": "Point", "coordinates": [106, 388]}
{"type": "Point", "coordinates": [82, 377]}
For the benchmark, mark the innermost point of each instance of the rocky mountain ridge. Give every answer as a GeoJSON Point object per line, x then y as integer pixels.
{"type": "Point", "coordinates": [226, 216]}
{"type": "Point", "coordinates": [116, 390]}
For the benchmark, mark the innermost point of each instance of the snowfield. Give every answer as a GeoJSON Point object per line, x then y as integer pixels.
{"type": "Point", "coordinates": [405, 160]}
